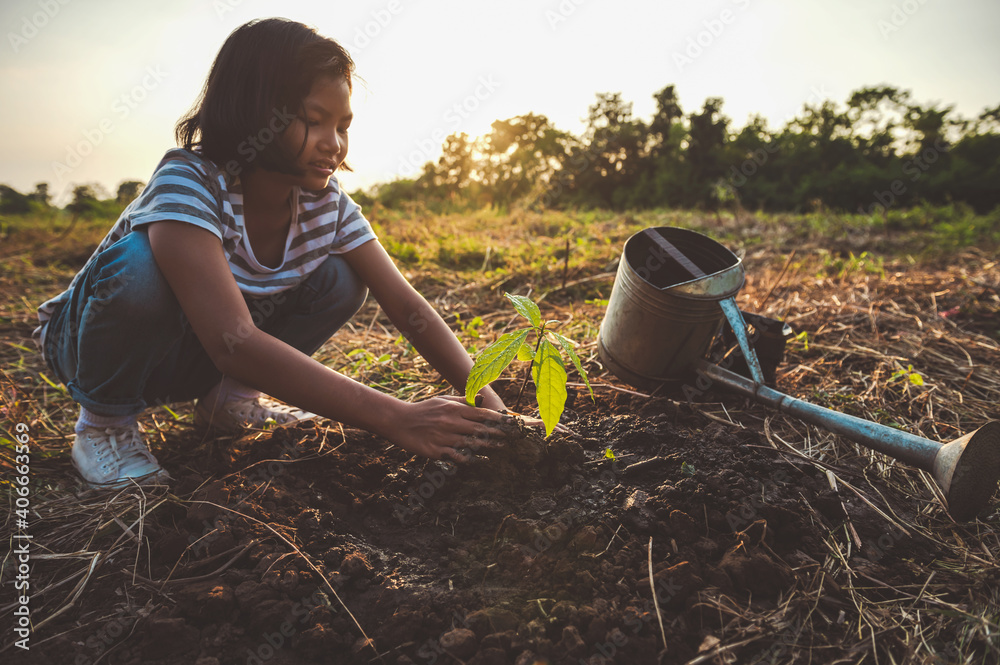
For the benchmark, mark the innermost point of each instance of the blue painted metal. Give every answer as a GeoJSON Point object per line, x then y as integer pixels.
{"type": "Point", "coordinates": [739, 326]}
{"type": "Point", "coordinates": [967, 469]}
{"type": "Point", "coordinates": [914, 450]}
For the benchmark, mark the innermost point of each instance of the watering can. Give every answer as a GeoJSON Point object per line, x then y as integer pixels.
{"type": "Point", "coordinates": [673, 291]}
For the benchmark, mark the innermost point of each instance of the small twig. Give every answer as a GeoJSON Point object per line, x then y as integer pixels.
{"type": "Point", "coordinates": [613, 536]}
{"type": "Point", "coordinates": [76, 593]}
{"type": "Point", "coordinates": [876, 508]}
{"type": "Point", "coordinates": [370, 326]}
{"type": "Point", "coordinates": [565, 266]}
{"type": "Point", "coordinates": [592, 278]}
{"type": "Point", "coordinates": [656, 600]}
{"type": "Point", "coordinates": [831, 478]}
{"type": "Point", "coordinates": [777, 281]}
{"type": "Point", "coordinates": [206, 576]}
{"type": "Point", "coordinates": [722, 649]}
{"type": "Point", "coordinates": [612, 387]}
{"type": "Point", "coordinates": [520, 392]}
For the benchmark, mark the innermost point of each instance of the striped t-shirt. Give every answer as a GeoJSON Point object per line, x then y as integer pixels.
{"type": "Point", "coordinates": [187, 187]}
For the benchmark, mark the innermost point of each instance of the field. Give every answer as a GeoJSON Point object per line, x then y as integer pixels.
{"type": "Point", "coordinates": [660, 530]}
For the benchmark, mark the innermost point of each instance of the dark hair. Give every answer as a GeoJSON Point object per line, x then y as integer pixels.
{"type": "Point", "coordinates": [256, 86]}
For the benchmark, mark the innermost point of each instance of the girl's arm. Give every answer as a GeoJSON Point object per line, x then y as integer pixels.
{"type": "Point", "coordinates": [193, 263]}
{"type": "Point", "coordinates": [415, 318]}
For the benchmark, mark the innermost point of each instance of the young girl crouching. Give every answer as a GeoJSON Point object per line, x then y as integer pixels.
{"type": "Point", "coordinates": [240, 258]}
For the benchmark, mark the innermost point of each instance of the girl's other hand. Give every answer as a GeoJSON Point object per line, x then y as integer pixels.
{"type": "Point", "coordinates": [490, 400]}
{"type": "Point", "coordinates": [537, 422]}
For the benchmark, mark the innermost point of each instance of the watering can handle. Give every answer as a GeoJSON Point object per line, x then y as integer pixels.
{"type": "Point", "coordinates": [739, 326]}
{"type": "Point", "coordinates": [729, 307]}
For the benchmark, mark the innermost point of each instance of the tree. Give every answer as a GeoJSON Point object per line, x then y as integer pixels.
{"type": "Point", "coordinates": [988, 122]}
{"type": "Point", "coordinates": [128, 191]}
{"type": "Point", "coordinates": [13, 202]}
{"type": "Point", "coordinates": [668, 112]}
{"type": "Point", "coordinates": [85, 200]}
{"type": "Point", "coordinates": [753, 164]}
{"type": "Point", "coordinates": [520, 156]}
{"type": "Point", "coordinates": [875, 116]}
{"type": "Point", "coordinates": [705, 151]}
{"type": "Point", "coordinates": [610, 163]}
{"type": "Point", "coordinates": [844, 157]}
{"type": "Point", "coordinates": [450, 178]}
{"type": "Point", "coordinates": [661, 166]}
{"type": "Point", "coordinates": [41, 194]}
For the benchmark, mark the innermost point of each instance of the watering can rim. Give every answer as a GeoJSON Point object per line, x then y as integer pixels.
{"type": "Point", "coordinates": [677, 289]}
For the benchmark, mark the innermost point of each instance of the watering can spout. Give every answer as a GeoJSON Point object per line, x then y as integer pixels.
{"type": "Point", "coordinates": [967, 469]}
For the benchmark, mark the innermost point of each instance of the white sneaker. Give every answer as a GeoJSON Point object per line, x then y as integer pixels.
{"type": "Point", "coordinates": [236, 415]}
{"type": "Point", "coordinates": [114, 457]}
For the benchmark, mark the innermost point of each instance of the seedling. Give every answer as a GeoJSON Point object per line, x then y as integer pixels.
{"type": "Point", "coordinates": [911, 376]}
{"type": "Point", "coordinates": [548, 369]}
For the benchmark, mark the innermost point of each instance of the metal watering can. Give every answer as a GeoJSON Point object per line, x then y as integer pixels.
{"type": "Point", "coordinates": [674, 289]}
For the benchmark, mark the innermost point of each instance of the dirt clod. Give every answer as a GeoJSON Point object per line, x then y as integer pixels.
{"type": "Point", "coordinates": [460, 643]}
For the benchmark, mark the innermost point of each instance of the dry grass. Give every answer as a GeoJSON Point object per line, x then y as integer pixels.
{"type": "Point", "coordinates": [867, 334]}
{"type": "Point", "coordinates": [869, 324]}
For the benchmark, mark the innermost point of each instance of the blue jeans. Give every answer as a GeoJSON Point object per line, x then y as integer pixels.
{"type": "Point", "coordinates": [121, 341]}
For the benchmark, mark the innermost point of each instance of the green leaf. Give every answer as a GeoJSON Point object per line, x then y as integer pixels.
{"type": "Point", "coordinates": [609, 454]}
{"type": "Point", "coordinates": [916, 379]}
{"type": "Point", "coordinates": [550, 384]}
{"type": "Point", "coordinates": [492, 361]}
{"type": "Point", "coordinates": [526, 308]}
{"type": "Point", "coordinates": [525, 352]}
{"type": "Point", "coordinates": [688, 469]}
{"type": "Point", "coordinates": [568, 346]}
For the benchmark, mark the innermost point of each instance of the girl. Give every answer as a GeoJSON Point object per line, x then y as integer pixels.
{"type": "Point", "coordinates": [240, 259]}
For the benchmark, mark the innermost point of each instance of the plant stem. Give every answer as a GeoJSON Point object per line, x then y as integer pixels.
{"type": "Point", "coordinates": [520, 392]}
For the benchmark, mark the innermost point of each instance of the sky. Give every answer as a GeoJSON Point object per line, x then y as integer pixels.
{"type": "Point", "coordinates": [91, 89]}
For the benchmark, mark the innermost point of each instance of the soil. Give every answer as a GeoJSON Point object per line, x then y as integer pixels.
{"type": "Point", "coordinates": [537, 554]}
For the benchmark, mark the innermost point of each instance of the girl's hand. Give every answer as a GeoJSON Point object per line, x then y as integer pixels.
{"type": "Point", "coordinates": [490, 400]}
{"type": "Point", "coordinates": [444, 427]}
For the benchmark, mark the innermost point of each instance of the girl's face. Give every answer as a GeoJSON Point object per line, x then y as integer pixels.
{"type": "Point", "coordinates": [328, 114]}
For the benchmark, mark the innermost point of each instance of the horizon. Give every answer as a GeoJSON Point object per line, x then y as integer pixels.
{"type": "Point", "coordinates": [129, 87]}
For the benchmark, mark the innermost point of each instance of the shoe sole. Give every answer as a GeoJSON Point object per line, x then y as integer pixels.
{"type": "Point", "coordinates": [160, 477]}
